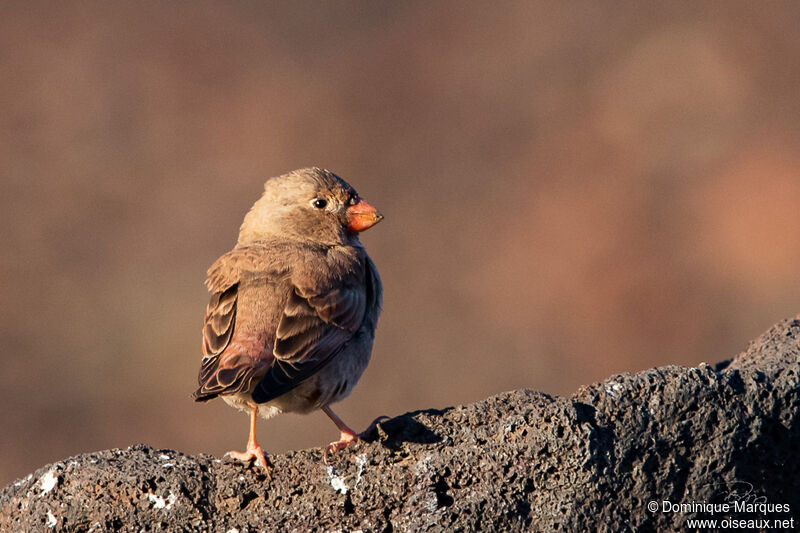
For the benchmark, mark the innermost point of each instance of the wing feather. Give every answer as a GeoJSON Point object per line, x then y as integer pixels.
{"type": "Point", "coordinates": [219, 321]}
{"type": "Point", "coordinates": [227, 366]}
{"type": "Point", "coordinates": [314, 327]}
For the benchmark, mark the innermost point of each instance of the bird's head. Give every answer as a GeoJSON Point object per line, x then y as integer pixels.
{"type": "Point", "coordinates": [309, 204]}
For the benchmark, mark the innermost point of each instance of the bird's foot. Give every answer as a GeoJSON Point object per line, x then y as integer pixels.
{"type": "Point", "coordinates": [346, 438]}
{"type": "Point", "coordinates": [349, 437]}
{"type": "Point", "coordinates": [253, 452]}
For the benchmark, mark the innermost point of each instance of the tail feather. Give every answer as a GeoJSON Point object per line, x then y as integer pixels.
{"type": "Point", "coordinates": [201, 395]}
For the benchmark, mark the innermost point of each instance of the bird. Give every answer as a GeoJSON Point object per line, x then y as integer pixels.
{"type": "Point", "coordinates": [294, 305]}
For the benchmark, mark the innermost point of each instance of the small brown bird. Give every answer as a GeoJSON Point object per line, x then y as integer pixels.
{"type": "Point", "coordinates": [295, 304]}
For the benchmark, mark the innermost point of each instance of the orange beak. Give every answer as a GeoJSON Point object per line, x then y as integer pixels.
{"type": "Point", "coordinates": [362, 216]}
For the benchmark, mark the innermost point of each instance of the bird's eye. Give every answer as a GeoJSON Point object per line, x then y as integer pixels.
{"type": "Point", "coordinates": [319, 203]}
{"type": "Point", "coordinates": [353, 200]}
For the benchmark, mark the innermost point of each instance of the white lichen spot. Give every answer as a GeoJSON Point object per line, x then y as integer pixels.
{"type": "Point", "coordinates": [93, 461]}
{"type": "Point", "coordinates": [336, 482]}
{"type": "Point", "coordinates": [167, 465]}
{"type": "Point", "coordinates": [157, 501]}
{"type": "Point", "coordinates": [232, 530]}
{"type": "Point", "coordinates": [164, 457]}
{"type": "Point", "coordinates": [161, 503]}
{"type": "Point", "coordinates": [361, 462]}
{"type": "Point", "coordinates": [613, 389]}
{"type": "Point", "coordinates": [48, 482]}
{"type": "Point", "coordinates": [171, 499]}
{"type": "Point", "coordinates": [421, 468]}
{"type": "Point", "coordinates": [51, 520]}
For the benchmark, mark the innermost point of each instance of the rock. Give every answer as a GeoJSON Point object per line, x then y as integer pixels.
{"type": "Point", "coordinates": [521, 460]}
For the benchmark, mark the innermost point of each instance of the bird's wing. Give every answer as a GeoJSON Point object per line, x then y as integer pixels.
{"type": "Point", "coordinates": [227, 367]}
{"type": "Point", "coordinates": [319, 317]}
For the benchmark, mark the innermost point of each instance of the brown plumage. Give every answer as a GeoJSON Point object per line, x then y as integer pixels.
{"type": "Point", "coordinates": [294, 305]}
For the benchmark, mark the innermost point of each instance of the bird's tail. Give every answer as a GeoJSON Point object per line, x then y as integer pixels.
{"type": "Point", "coordinates": [201, 395]}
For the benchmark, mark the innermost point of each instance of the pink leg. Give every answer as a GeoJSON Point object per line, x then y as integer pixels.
{"type": "Point", "coordinates": [254, 451]}
{"type": "Point", "coordinates": [347, 435]}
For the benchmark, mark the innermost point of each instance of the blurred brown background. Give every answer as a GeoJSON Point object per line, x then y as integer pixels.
{"type": "Point", "coordinates": [571, 189]}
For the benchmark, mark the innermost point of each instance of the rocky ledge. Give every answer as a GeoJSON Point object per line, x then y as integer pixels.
{"type": "Point", "coordinates": [646, 451]}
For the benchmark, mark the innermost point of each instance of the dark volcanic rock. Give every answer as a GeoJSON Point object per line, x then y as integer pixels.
{"type": "Point", "coordinates": [517, 461]}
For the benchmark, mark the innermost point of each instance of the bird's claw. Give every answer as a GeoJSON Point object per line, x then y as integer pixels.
{"type": "Point", "coordinates": [346, 440]}
{"type": "Point", "coordinates": [253, 453]}
{"type": "Point", "coordinates": [349, 437]}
